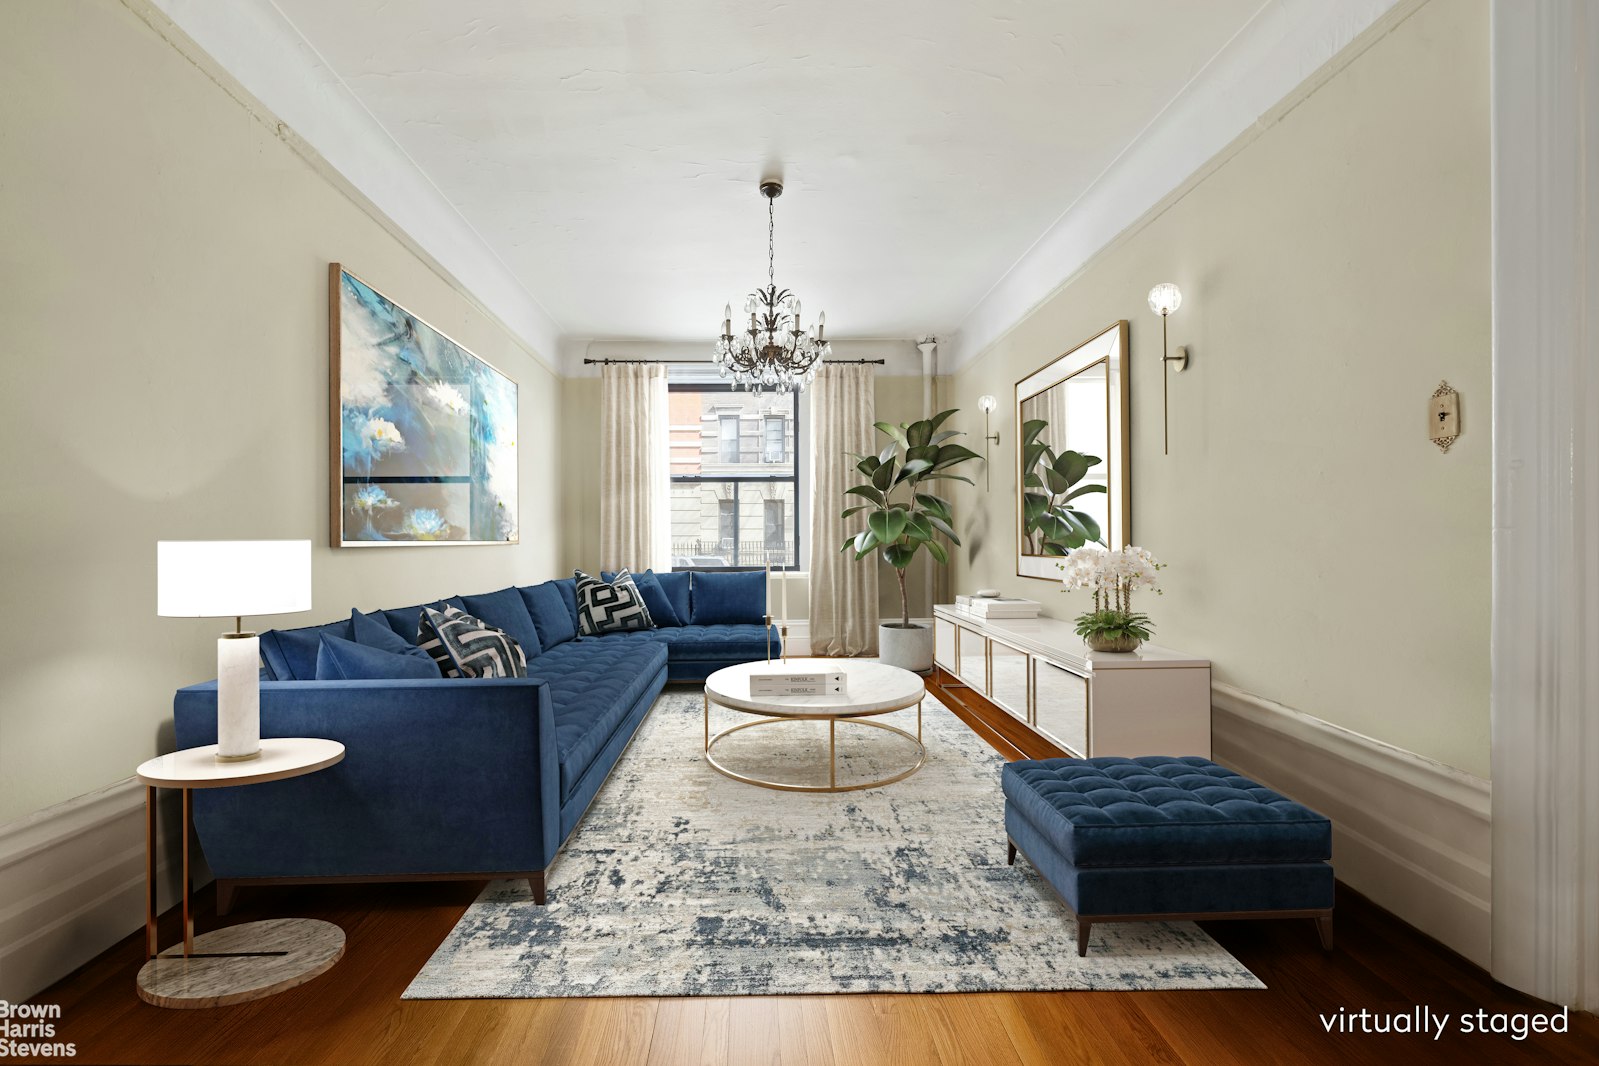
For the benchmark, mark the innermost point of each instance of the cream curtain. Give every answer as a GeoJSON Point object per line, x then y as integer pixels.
{"type": "Point", "coordinates": [635, 471]}
{"type": "Point", "coordinates": [843, 607]}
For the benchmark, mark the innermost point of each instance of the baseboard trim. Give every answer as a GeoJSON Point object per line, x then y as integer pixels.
{"type": "Point", "coordinates": [1409, 833]}
{"type": "Point", "coordinates": [74, 878]}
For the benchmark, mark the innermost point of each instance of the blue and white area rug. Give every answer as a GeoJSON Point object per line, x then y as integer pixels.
{"type": "Point", "coordinates": [681, 882]}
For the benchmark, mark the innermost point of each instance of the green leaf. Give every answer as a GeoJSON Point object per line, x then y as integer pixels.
{"type": "Point", "coordinates": [887, 525]}
{"type": "Point", "coordinates": [1051, 548]}
{"type": "Point", "coordinates": [1031, 454]}
{"type": "Point", "coordinates": [892, 430]}
{"type": "Point", "coordinates": [919, 525]}
{"type": "Point", "coordinates": [1031, 429]}
{"type": "Point", "coordinates": [865, 541]}
{"type": "Point", "coordinates": [883, 478]}
{"type": "Point", "coordinates": [940, 418]}
{"type": "Point", "coordinates": [940, 438]}
{"type": "Point", "coordinates": [913, 468]}
{"type": "Point", "coordinates": [899, 556]}
{"type": "Point", "coordinates": [1058, 482]}
{"type": "Point", "coordinates": [947, 477]}
{"type": "Point", "coordinates": [888, 454]}
{"type": "Point", "coordinates": [936, 504]}
{"type": "Point", "coordinates": [1071, 466]}
{"type": "Point", "coordinates": [925, 452]}
{"type": "Point", "coordinates": [1032, 481]}
{"type": "Point", "coordinates": [949, 454]}
{"type": "Point", "coordinates": [852, 510]}
{"type": "Point", "coordinates": [919, 433]}
{"type": "Point", "coordinates": [1090, 527]}
{"type": "Point", "coordinates": [938, 551]}
{"type": "Point", "coordinates": [943, 527]}
{"type": "Point", "coordinates": [869, 465]}
{"type": "Point", "coordinates": [869, 492]}
{"type": "Point", "coordinates": [1083, 490]}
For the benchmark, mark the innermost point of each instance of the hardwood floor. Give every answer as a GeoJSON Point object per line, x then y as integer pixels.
{"type": "Point", "coordinates": [354, 1015]}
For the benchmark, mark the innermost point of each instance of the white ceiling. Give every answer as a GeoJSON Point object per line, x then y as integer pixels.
{"type": "Point", "coordinates": [608, 151]}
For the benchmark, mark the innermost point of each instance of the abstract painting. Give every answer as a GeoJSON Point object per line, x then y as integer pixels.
{"type": "Point", "coordinates": [423, 431]}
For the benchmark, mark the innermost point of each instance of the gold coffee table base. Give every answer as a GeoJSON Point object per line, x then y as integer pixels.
{"type": "Point", "coordinates": [832, 720]}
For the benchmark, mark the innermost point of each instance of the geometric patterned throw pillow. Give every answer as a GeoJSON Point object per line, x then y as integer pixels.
{"type": "Point", "coordinates": [464, 646]}
{"type": "Point", "coordinates": [614, 606]}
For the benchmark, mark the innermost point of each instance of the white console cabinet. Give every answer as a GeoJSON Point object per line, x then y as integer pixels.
{"type": "Point", "coordinates": [1153, 701]}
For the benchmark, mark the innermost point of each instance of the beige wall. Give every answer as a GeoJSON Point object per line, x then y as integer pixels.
{"type": "Point", "coordinates": [163, 288]}
{"type": "Point", "coordinates": [899, 399]}
{"type": "Point", "coordinates": [1322, 551]}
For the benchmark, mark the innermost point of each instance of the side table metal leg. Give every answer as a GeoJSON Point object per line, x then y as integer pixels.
{"type": "Point", "coordinates": [152, 939]}
{"type": "Point", "coordinates": [707, 721]}
{"type": "Point", "coordinates": [188, 916]}
{"type": "Point", "coordinates": [918, 721]}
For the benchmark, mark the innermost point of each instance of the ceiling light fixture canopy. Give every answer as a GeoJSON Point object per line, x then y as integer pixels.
{"type": "Point", "coordinates": [775, 352]}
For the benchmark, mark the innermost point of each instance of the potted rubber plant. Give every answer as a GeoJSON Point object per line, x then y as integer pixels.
{"type": "Point", "coordinates": [903, 518]}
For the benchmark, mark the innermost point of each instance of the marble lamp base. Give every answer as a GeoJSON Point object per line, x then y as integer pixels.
{"type": "Point", "coordinates": [242, 963]}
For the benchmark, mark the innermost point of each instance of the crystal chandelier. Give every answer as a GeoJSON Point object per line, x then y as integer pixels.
{"type": "Point", "coordinates": [775, 352]}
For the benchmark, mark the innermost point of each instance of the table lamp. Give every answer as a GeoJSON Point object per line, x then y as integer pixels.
{"type": "Point", "coordinates": [231, 579]}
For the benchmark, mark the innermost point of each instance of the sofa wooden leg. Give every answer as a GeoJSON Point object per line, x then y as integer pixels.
{"type": "Point", "coordinates": [1324, 929]}
{"type": "Point", "coordinates": [1083, 929]}
{"type": "Point", "coordinates": [225, 892]}
{"type": "Point", "coordinates": [536, 883]}
{"type": "Point", "coordinates": [1010, 856]}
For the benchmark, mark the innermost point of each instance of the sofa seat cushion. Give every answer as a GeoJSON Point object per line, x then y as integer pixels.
{"type": "Point", "coordinates": [594, 682]}
{"type": "Point", "coordinates": [1159, 810]}
{"type": "Point", "coordinates": [728, 643]}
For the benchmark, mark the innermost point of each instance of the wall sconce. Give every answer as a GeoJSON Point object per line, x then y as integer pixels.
{"type": "Point", "coordinates": [987, 404]}
{"type": "Point", "coordinates": [1163, 300]}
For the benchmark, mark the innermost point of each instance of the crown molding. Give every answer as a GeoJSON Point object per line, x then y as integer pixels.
{"type": "Point", "coordinates": [256, 45]}
{"type": "Point", "coordinates": [1277, 51]}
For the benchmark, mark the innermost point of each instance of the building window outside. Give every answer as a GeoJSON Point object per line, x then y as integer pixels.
{"type": "Point", "coordinates": [776, 439]}
{"type": "Point", "coordinates": [735, 480]}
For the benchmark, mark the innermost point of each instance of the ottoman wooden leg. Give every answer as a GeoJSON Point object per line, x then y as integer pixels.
{"type": "Point", "coordinates": [1084, 927]}
{"type": "Point", "coordinates": [1324, 929]}
{"type": "Point", "coordinates": [1010, 856]}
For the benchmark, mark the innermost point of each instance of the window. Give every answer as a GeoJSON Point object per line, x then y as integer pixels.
{"type": "Point", "coordinates": [776, 440]}
{"type": "Point", "coordinates": [735, 505]}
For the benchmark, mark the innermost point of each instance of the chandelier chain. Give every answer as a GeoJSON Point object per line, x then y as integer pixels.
{"type": "Point", "coordinates": [771, 242]}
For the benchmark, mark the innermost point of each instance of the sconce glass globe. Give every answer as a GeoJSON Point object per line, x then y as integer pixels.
{"type": "Point", "coordinates": [986, 403]}
{"type": "Point", "coordinates": [1165, 298]}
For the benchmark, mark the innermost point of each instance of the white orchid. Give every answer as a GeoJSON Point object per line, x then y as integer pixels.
{"type": "Point", "coordinates": [1110, 575]}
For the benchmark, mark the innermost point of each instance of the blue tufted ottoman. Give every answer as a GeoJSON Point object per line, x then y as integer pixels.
{"type": "Point", "coordinates": [1159, 838]}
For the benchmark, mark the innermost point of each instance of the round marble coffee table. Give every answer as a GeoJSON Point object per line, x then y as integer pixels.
{"type": "Point", "coordinates": [870, 689]}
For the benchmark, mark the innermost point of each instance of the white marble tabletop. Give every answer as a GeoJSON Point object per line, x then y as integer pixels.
{"type": "Point", "coordinates": [280, 758]}
{"type": "Point", "coordinates": [868, 687]}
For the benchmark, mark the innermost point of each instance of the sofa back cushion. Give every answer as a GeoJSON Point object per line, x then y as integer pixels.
{"type": "Point", "coordinates": [506, 610]}
{"type": "Point", "coordinates": [290, 654]}
{"type": "Point", "coordinates": [345, 660]}
{"type": "Point", "coordinates": [728, 599]}
{"type": "Point", "coordinates": [663, 611]}
{"type": "Point", "coordinates": [547, 605]}
{"type": "Point", "coordinates": [372, 631]}
{"type": "Point", "coordinates": [406, 621]}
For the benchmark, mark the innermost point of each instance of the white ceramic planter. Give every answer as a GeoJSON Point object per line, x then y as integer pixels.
{"type": "Point", "coordinates": [908, 649]}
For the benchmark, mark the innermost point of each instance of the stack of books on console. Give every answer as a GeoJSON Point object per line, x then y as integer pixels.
{"type": "Point", "coordinates": [999, 606]}
{"type": "Point", "coordinates": [768, 683]}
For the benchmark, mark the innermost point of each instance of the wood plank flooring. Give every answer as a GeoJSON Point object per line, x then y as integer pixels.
{"type": "Point", "coordinates": [354, 1015]}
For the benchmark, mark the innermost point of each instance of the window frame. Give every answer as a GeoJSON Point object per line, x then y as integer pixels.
{"type": "Point", "coordinates": [738, 480]}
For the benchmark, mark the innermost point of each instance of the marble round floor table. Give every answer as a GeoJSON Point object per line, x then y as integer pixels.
{"type": "Point", "coordinates": [870, 689]}
{"type": "Point", "coordinates": [238, 963]}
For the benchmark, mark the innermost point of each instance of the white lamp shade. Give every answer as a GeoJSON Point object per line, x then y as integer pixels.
{"type": "Point", "coordinates": [987, 403]}
{"type": "Point", "coordinates": [226, 578]}
{"type": "Point", "coordinates": [1165, 298]}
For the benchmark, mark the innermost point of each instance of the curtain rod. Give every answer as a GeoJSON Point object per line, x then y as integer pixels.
{"type": "Point", "coordinates": [707, 362]}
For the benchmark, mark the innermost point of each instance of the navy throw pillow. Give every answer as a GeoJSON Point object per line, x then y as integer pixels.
{"type": "Point", "coordinates": [373, 632]}
{"type": "Point", "coordinates": [507, 610]}
{"type": "Point", "coordinates": [675, 584]}
{"type": "Point", "coordinates": [547, 604]}
{"type": "Point", "coordinates": [728, 598]}
{"type": "Point", "coordinates": [407, 621]}
{"type": "Point", "coordinates": [291, 653]}
{"type": "Point", "coordinates": [663, 612]}
{"type": "Point", "coordinates": [338, 659]}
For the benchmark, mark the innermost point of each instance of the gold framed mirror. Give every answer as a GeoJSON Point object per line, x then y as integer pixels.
{"type": "Point", "coordinates": [1081, 399]}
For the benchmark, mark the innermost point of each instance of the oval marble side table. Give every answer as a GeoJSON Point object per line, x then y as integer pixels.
{"type": "Point", "coordinates": [241, 962]}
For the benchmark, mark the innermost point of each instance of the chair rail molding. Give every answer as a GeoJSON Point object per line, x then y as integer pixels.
{"type": "Point", "coordinates": [1545, 135]}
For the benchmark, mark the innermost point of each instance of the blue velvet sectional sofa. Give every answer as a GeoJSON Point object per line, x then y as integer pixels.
{"type": "Point", "coordinates": [447, 779]}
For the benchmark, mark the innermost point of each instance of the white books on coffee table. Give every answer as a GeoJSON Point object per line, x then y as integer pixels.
{"type": "Point", "coordinates": [764, 684]}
